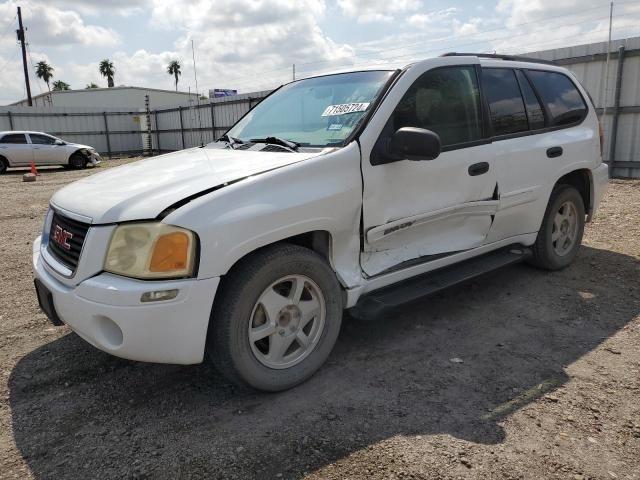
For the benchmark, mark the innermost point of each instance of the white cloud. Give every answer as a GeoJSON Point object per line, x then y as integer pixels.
{"type": "Point", "coordinates": [439, 18]}
{"type": "Point", "coordinates": [366, 11]}
{"type": "Point", "coordinates": [50, 26]}
{"type": "Point", "coordinates": [98, 7]}
{"type": "Point", "coordinates": [244, 44]}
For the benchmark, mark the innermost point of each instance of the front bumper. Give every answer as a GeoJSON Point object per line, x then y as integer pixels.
{"type": "Point", "coordinates": [106, 311]}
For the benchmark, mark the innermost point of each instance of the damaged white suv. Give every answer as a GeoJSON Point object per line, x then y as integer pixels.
{"type": "Point", "coordinates": [353, 190]}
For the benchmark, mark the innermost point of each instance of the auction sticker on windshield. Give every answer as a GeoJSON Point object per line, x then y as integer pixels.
{"type": "Point", "coordinates": [344, 108]}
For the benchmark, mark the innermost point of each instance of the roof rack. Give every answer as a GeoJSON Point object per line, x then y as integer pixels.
{"type": "Point", "coordinates": [514, 58]}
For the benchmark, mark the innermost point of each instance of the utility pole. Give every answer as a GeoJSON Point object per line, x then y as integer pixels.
{"type": "Point", "coordinates": [20, 33]}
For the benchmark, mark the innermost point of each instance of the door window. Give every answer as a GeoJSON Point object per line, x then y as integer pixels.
{"type": "Point", "coordinates": [535, 113]}
{"type": "Point", "coordinates": [561, 97]}
{"type": "Point", "coordinates": [505, 101]}
{"type": "Point", "coordinates": [445, 101]}
{"type": "Point", "coordinates": [14, 138]}
{"type": "Point", "coordinates": [42, 139]}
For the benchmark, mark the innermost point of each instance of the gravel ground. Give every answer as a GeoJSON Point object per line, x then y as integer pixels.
{"type": "Point", "coordinates": [544, 381]}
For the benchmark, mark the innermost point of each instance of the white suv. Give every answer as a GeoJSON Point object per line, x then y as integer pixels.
{"type": "Point", "coordinates": [363, 189]}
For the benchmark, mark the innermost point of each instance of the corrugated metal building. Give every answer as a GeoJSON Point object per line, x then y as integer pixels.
{"type": "Point", "coordinates": [119, 97]}
{"type": "Point", "coordinates": [622, 116]}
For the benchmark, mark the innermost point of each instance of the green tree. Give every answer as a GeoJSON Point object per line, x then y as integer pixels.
{"type": "Point", "coordinates": [60, 85]}
{"type": "Point", "coordinates": [44, 71]}
{"type": "Point", "coordinates": [107, 70]}
{"type": "Point", "coordinates": [91, 85]}
{"type": "Point", "coordinates": [174, 69]}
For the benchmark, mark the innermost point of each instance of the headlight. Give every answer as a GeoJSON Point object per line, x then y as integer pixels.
{"type": "Point", "coordinates": [151, 250]}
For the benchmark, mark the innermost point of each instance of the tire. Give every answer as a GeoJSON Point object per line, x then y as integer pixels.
{"type": "Point", "coordinates": [77, 161]}
{"type": "Point", "coordinates": [249, 297]}
{"type": "Point", "coordinates": [3, 165]}
{"type": "Point", "coordinates": [562, 229]}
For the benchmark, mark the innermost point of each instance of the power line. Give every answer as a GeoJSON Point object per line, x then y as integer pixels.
{"type": "Point", "coordinates": [425, 52]}
{"type": "Point", "coordinates": [34, 67]}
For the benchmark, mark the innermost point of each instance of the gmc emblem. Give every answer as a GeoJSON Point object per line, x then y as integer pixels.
{"type": "Point", "coordinates": [62, 237]}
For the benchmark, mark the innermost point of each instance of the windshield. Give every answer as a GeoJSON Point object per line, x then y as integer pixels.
{"type": "Point", "coordinates": [316, 112]}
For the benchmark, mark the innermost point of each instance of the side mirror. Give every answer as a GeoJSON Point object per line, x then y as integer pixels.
{"type": "Point", "coordinates": [410, 143]}
{"type": "Point", "coordinates": [59, 142]}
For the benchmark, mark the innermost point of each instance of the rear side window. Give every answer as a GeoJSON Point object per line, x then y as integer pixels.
{"type": "Point", "coordinates": [14, 138]}
{"type": "Point", "coordinates": [535, 113]}
{"type": "Point", "coordinates": [505, 101]}
{"type": "Point", "coordinates": [560, 96]}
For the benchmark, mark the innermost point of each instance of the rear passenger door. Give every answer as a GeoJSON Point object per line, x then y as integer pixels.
{"type": "Point", "coordinates": [15, 148]}
{"type": "Point", "coordinates": [537, 118]}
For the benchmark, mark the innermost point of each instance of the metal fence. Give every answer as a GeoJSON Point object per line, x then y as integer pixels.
{"type": "Point", "coordinates": [109, 131]}
{"type": "Point", "coordinates": [184, 127]}
{"type": "Point", "coordinates": [114, 132]}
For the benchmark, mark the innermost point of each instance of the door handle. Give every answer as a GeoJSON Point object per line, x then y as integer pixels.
{"type": "Point", "coordinates": [478, 169]}
{"type": "Point", "coordinates": [554, 152]}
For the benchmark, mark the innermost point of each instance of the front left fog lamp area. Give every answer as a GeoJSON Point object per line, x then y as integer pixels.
{"type": "Point", "coordinates": [159, 295]}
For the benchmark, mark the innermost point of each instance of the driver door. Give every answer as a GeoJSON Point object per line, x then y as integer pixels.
{"type": "Point", "coordinates": [414, 211]}
{"type": "Point", "coordinates": [45, 150]}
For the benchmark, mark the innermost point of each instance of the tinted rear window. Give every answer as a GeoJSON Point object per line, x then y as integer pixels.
{"type": "Point", "coordinates": [505, 101]}
{"type": "Point", "coordinates": [535, 114]}
{"type": "Point", "coordinates": [14, 138]}
{"type": "Point", "coordinates": [560, 96]}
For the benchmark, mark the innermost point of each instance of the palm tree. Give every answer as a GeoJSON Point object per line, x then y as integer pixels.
{"type": "Point", "coordinates": [107, 70]}
{"type": "Point", "coordinates": [60, 85]}
{"type": "Point", "coordinates": [174, 69]}
{"type": "Point", "coordinates": [91, 85]}
{"type": "Point", "coordinates": [44, 71]}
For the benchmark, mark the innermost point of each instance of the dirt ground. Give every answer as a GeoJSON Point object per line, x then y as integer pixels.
{"type": "Point", "coordinates": [545, 381]}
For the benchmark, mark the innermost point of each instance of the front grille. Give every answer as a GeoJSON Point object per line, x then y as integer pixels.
{"type": "Point", "coordinates": [70, 232]}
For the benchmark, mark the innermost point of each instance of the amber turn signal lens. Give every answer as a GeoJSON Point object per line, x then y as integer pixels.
{"type": "Point", "coordinates": [170, 253]}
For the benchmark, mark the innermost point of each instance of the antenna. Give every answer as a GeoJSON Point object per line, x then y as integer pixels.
{"type": "Point", "coordinates": [195, 74]}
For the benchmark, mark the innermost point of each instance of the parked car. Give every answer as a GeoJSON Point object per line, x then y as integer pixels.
{"type": "Point", "coordinates": [357, 190]}
{"type": "Point", "coordinates": [19, 149]}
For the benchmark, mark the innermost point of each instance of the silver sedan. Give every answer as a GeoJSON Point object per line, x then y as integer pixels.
{"type": "Point", "coordinates": [19, 149]}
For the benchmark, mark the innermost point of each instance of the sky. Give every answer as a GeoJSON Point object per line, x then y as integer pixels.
{"type": "Point", "coordinates": [251, 45]}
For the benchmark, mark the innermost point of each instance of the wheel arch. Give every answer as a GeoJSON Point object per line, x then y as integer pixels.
{"type": "Point", "coordinates": [319, 241]}
{"type": "Point", "coordinates": [582, 180]}
{"type": "Point", "coordinates": [5, 160]}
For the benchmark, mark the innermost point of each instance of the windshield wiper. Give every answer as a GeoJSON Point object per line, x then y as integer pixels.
{"type": "Point", "coordinates": [277, 141]}
{"type": "Point", "coordinates": [230, 140]}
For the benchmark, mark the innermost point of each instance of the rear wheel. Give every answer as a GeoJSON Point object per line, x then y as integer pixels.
{"type": "Point", "coordinates": [276, 318]}
{"type": "Point", "coordinates": [3, 165]}
{"type": "Point", "coordinates": [562, 228]}
{"type": "Point", "coordinates": [77, 161]}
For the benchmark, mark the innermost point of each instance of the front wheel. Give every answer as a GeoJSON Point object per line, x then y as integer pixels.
{"type": "Point", "coordinates": [77, 161]}
{"type": "Point", "coordinates": [276, 318]}
{"type": "Point", "coordinates": [3, 165]}
{"type": "Point", "coordinates": [562, 228]}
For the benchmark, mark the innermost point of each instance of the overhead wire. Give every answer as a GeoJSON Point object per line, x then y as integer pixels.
{"type": "Point", "coordinates": [418, 53]}
{"type": "Point", "coordinates": [439, 39]}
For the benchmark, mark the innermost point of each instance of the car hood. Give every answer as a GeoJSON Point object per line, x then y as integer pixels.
{"type": "Point", "coordinates": [79, 145]}
{"type": "Point", "coordinates": [143, 189]}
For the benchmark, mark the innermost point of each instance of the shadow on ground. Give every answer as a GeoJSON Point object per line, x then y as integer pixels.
{"type": "Point", "coordinates": [79, 413]}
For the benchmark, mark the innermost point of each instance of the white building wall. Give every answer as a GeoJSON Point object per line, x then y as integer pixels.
{"type": "Point", "coordinates": [118, 97]}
